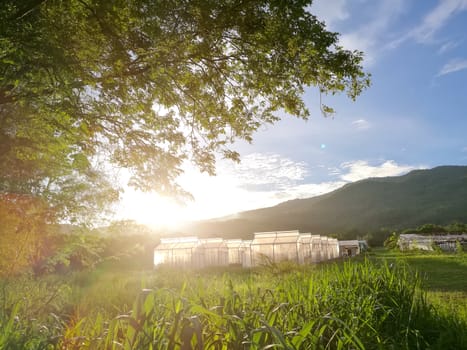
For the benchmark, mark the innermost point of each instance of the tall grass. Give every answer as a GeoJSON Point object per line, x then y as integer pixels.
{"type": "Point", "coordinates": [353, 305]}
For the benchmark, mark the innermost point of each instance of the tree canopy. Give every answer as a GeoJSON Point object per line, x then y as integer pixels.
{"type": "Point", "coordinates": [87, 86]}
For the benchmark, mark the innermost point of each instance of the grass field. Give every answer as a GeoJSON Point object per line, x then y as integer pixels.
{"type": "Point", "coordinates": [443, 276]}
{"type": "Point", "coordinates": [386, 300]}
{"type": "Point", "coordinates": [440, 272]}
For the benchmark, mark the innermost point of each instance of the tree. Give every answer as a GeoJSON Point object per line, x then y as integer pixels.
{"type": "Point", "coordinates": [392, 240]}
{"type": "Point", "coordinates": [456, 228]}
{"type": "Point", "coordinates": [90, 86]}
{"type": "Point", "coordinates": [23, 231]}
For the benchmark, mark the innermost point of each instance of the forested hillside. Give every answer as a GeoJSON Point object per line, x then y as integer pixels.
{"type": "Point", "coordinates": [436, 196]}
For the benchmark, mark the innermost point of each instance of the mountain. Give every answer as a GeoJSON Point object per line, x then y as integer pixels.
{"type": "Point", "coordinates": [437, 195]}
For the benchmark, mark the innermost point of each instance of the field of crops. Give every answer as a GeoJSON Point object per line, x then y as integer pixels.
{"type": "Point", "coordinates": [378, 302]}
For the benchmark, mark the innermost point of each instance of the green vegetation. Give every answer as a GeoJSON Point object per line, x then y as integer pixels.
{"type": "Point", "coordinates": [440, 272]}
{"type": "Point", "coordinates": [63, 248]}
{"type": "Point", "coordinates": [374, 302]}
{"type": "Point", "coordinates": [456, 228]}
{"type": "Point", "coordinates": [453, 228]}
{"type": "Point", "coordinates": [443, 276]}
{"type": "Point", "coordinates": [147, 85]}
{"type": "Point", "coordinates": [89, 88]}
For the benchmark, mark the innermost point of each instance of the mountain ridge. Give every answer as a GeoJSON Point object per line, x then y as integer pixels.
{"type": "Point", "coordinates": [437, 195]}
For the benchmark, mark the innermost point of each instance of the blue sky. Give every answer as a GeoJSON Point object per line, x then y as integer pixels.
{"type": "Point", "coordinates": [413, 116]}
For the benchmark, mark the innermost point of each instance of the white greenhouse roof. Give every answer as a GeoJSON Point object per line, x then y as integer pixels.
{"type": "Point", "coordinates": [277, 237]}
{"type": "Point", "coordinates": [235, 243]}
{"type": "Point", "coordinates": [349, 243]}
{"type": "Point", "coordinates": [213, 243]}
{"type": "Point", "coordinates": [178, 243]}
{"type": "Point", "coordinates": [418, 237]}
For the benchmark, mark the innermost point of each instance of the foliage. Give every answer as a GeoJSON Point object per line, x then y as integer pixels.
{"type": "Point", "coordinates": [426, 229]}
{"type": "Point", "coordinates": [130, 252]}
{"type": "Point", "coordinates": [123, 228]}
{"type": "Point", "coordinates": [456, 227]}
{"type": "Point", "coordinates": [453, 228]}
{"type": "Point", "coordinates": [32, 312]}
{"type": "Point", "coordinates": [441, 272]}
{"type": "Point", "coordinates": [121, 246]}
{"type": "Point", "coordinates": [269, 266]}
{"type": "Point", "coordinates": [23, 232]}
{"type": "Point", "coordinates": [45, 249]}
{"type": "Point", "coordinates": [436, 248]}
{"type": "Point", "coordinates": [29, 242]}
{"type": "Point", "coordinates": [459, 248]}
{"type": "Point", "coordinates": [76, 253]}
{"type": "Point", "coordinates": [359, 305]}
{"type": "Point", "coordinates": [299, 312]}
{"type": "Point", "coordinates": [90, 85]}
{"type": "Point", "coordinates": [376, 238]}
{"type": "Point", "coordinates": [391, 241]}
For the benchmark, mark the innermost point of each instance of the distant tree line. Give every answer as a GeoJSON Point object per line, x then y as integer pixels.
{"type": "Point", "coordinates": [453, 228]}
{"type": "Point", "coordinates": [66, 248]}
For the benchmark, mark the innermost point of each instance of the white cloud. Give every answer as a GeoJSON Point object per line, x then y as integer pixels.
{"type": "Point", "coordinates": [312, 190]}
{"type": "Point", "coordinates": [360, 169]}
{"type": "Point", "coordinates": [376, 34]}
{"type": "Point", "coordinates": [361, 124]}
{"type": "Point", "coordinates": [447, 46]}
{"type": "Point", "coordinates": [371, 34]}
{"type": "Point", "coordinates": [334, 171]}
{"type": "Point", "coordinates": [453, 66]}
{"type": "Point", "coordinates": [334, 11]}
{"type": "Point", "coordinates": [269, 171]}
{"type": "Point", "coordinates": [432, 23]}
{"type": "Point", "coordinates": [437, 18]}
{"type": "Point", "coordinates": [260, 180]}
{"type": "Point", "coordinates": [360, 41]}
{"type": "Point", "coordinates": [330, 11]}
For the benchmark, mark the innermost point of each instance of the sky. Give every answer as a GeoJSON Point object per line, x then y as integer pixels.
{"type": "Point", "coordinates": [413, 116]}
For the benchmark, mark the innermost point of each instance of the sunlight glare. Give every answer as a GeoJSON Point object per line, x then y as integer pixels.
{"type": "Point", "coordinates": [151, 209]}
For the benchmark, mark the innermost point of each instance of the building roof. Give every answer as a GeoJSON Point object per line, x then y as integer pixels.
{"type": "Point", "coordinates": [178, 243]}
{"type": "Point", "coordinates": [276, 237]}
{"type": "Point", "coordinates": [418, 237]}
{"type": "Point", "coordinates": [349, 243]}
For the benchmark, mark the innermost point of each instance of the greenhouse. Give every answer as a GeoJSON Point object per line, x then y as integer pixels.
{"type": "Point", "coordinates": [262, 247]}
{"type": "Point", "coordinates": [349, 248]}
{"type": "Point", "coordinates": [315, 248]}
{"type": "Point", "coordinates": [447, 242]}
{"type": "Point", "coordinates": [180, 251]}
{"type": "Point", "coordinates": [265, 248]}
{"type": "Point", "coordinates": [306, 248]}
{"type": "Point", "coordinates": [324, 248]}
{"type": "Point", "coordinates": [275, 247]}
{"type": "Point", "coordinates": [239, 252]}
{"type": "Point", "coordinates": [191, 252]}
{"type": "Point", "coordinates": [333, 248]}
{"type": "Point", "coordinates": [214, 252]}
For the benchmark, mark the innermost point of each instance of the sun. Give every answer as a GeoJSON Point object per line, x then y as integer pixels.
{"type": "Point", "coordinates": [151, 209]}
{"type": "Point", "coordinates": [213, 197]}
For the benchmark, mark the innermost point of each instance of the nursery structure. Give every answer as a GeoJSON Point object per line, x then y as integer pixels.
{"type": "Point", "coordinates": [445, 242]}
{"type": "Point", "coordinates": [266, 247]}
{"type": "Point", "coordinates": [349, 248]}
